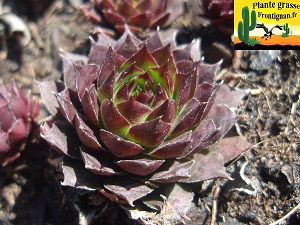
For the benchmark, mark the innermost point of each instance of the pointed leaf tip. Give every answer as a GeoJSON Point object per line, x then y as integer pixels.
{"type": "Point", "coordinates": [141, 167]}
{"type": "Point", "coordinates": [119, 146]}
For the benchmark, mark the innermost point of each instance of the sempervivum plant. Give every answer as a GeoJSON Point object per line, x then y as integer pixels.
{"type": "Point", "coordinates": [138, 15]}
{"type": "Point", "coordinates": [17, 115]}
{"type": "Point", "coordinates": [220, 12]}
{"type": "Point", "coordinates": [141, 115]}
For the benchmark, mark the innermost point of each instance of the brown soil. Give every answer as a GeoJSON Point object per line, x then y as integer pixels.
{"type": "Point", "coordinates": [266, 183]}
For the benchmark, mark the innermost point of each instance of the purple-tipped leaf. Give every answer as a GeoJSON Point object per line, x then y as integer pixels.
{"type": "Point", "coordinates": [100, 163]}
{"type": "Point", "coordinates": [181, 197]}
{"type": "Point", "coordinates": [4, 142]}
{"type": "Point", "coordinates": [75, 175]}
{"type": "Point", "coordinates": [175, 172]}
{"type": "Point", "coordinates": [128, 189]}
{"type": "Point", "coordinates": [150, 133]}
{"type": "Point", "coordinates": [7, 118]}
{"type": "Point", "coordinates": [106, 89]}
{"type": "Point", "coordinates": [119, 146]}
{"type": "Point", "coordinates": [202, 137]}
{"type": "Point", "coordinates": [174, 147]}
{"type": "Point", "coordinates": [112, 119]}
{"type": "Point", "coordinates": [229, 96]}
{"type": "Point", "coordinates": [85, 76]}
{"type": "Point", "coordinates": [48, 90]}
{"type": "Point", "coordinates": [141, 20]}
{"type": "Point", "coordinates": [134, 111]}
{"type": "Point", "coordinates": [224, 118]}
{"type": "Point", "coordinates": [189, 116]}
{"type": "Point", "coordinates": [62, 137]}
{"type": "Point", "coordinates": [127, 9]}
{"type": "Point", "coordinates": [208, 165]}
{"type": "Point", "coordinates": [66, 106]}
{"type": "Point", "coordinates": [166, 111]}
{"type": "Point", "coordinates": [18, 132]}
{"type": "Point", "coordinates": [141, 167]}
{"type": "Point", "coordinates": [142, 59]}
{"type": "Point", "coordinates": [230, 147]}
{"type": "Point", "coordinates": [86, 135]}
{"type": "Point", "coordinates": [91, 107]}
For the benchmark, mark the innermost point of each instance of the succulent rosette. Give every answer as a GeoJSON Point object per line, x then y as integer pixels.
{"type": "Point", "coordinates": [138, 15]}
{"type": "Point", "coordinates": [220, 12]}
{"type": "Point", "coordinates": [17, 115]}
{"type": "Point", "coordinates": [138, 114]}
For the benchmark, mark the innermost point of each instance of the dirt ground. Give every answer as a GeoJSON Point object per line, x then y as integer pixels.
{"type": "Point", "coordinates": [266, 185]}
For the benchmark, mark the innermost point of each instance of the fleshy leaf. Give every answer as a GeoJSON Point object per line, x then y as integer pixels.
{"type": "Point", "coordinates": [126, 9]}
{"type": "Point", "coordinates": [144, 5]}
{"type": "Point", "coordinates": [189, 116]}
{"type": "Point", "coordinates": [154, 42]}
{"type": "Point", "coordinates": [112, 17]}
{"type": "Point", "coordinates": [85, 76]}
{"type": "Point", "coordinates": [161, 75]}
{"type": "Point", "coordinates": [106, 89]}
{"type": "Point", "coordinates": [183, 54]}
{"type": "Point", "coordinates": [19, 108]}
{"type": "Point", "coordinates": [100, 163]}
{"type": "Point", "coordinates": [105, 4]}
{"type": "Point", "coordinates": [160, 96]}
{"type": "Point", "coordinates": [111, 62]}
{"type": "Point", "coordinates": [128, 74]}
{"type": "Point", "coordinates": [183, 87]}
{"type": "Point", "coordinates": [97, 53]}
{"type": "Point", "coordinates": [164, 56]}
{"type": "Point", "coordinates": [48, 90]}
{"type": "Point", "coordinates": [230, 147]}
{"type": "Point", "coordinates": [229, 96]}
{"type": "Point", "coordinates": [127, 189]}
{"type": "Point", "coordinates": [201, 137]}
{"type": "Point", "coordinates": [69, 62]}
{"type": "Point", "coordinates": [141, 167]}
{"type": "Point", "coordinates": [150, 133]}
{"type": "Point", "coordinates": [204, 91]}
{"type": "Point", "coordinates": [142, 59]}
{"type": "Point", "coordinates": [208, 165]}
{"type": "Point", "coordinates": [4, 143]}
{"type": "Point", "coordinates": [18, 132]}
{"type": "Point", "coordinates": [7, 118]}
{"type": "Point", "coordinates": [207, 72]}
{"type": "Point", "coordinates": [180, 197]}
{"type": "Point", "coordinates": [129, 40]}
{"type": "Point", "coordinates": [142, 20]}
{"type": "Point", "coordinates": [119, 146]}
{"type": "Point", "coordinates": [224, 118]}
{"type": "Point", "coordinates": [146, 95]}
{"type": "Point", "coordinates": [112, 119]}
{"type": "Point", "coordinates": [128, 47]}
{"type": "Point", "coordinates": [134, 111]}
{"type": "Point", "coordinates": [122, 94]}
{"type": "Point", "coordinates": [86, 135]}
{"type": "Point", "coordinates": [174, 147]}
{"type": "Point", "coordinates": [161, 20]}
{"type": "Point", "coordinates": [91, 107]}
{"type": "Point", "coordinates": [75, 175]}
{"type": "Point", "coordinates": [61, 136]}
{"type": "Point", "coordinates": [174, 171]}
{"type": "Point", "coordinates": [166, 111]}
{"type": "Point", "coordinates": [66, 106]}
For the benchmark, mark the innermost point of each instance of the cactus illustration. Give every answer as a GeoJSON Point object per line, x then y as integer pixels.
{"type": "Point", "coordinates": [244, 27]}
{"type": "Point", "coordinates": [287, 30]}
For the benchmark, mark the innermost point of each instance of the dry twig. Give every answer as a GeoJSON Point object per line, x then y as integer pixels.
{"type": "Point", "coordinates": [287, 215]}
